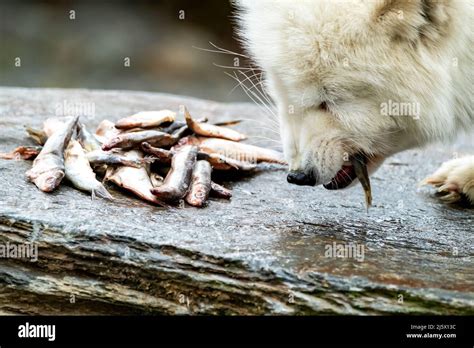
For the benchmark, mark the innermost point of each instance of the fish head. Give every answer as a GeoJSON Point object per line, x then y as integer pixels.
{"type": "Point", "coordinates": [112, 143]}
{"type": "Point", "coordinates": [49, 181]}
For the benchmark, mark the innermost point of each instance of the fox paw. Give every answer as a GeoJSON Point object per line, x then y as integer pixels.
{"type": "Point", "coordinates": [454, 179]}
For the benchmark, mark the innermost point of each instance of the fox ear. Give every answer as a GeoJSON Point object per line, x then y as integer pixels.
{"type": "Point", "coordinates": [413, 20]}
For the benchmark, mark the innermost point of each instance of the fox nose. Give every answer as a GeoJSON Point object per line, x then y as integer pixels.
{"type": "Point", "coordinates": [301, 178]}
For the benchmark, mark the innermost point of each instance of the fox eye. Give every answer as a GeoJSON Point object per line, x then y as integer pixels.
{"type": "Point", "coordinates": [323, 106]}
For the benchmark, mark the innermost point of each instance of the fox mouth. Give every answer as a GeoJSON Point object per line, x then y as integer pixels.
{"type": "Point", "coordinates": [348, 173]}
{"type": "Point", "coordinates": [356, 168]}
{"type": "Point", "coordinates": [344, 177]}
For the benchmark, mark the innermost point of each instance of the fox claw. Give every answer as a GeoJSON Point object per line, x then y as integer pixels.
{"type": "Point", "coordinates": [455, 178]}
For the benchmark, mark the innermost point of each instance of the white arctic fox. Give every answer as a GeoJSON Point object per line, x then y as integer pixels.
{"type": "Point", "coordinates": [365, 79]}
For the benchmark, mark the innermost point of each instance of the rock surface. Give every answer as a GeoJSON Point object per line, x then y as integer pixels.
{"type": "Point", "coordinates": [261, 253]}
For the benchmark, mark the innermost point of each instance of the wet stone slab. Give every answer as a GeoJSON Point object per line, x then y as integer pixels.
{"type": "Point", "coordinates": [265, 252]}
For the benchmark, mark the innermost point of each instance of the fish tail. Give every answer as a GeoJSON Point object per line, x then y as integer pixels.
{"type": "Point", "coordinates": [148, 160]}
{"type": "Point", "coordinates": [102, 192]}
{"type": "Point", "coordinates": [162, 204]}
{"type": "Point", "coordinates": [132, 163]}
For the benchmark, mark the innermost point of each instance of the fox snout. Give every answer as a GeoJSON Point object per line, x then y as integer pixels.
{"type": "Point", "coordinates": [301, 178]}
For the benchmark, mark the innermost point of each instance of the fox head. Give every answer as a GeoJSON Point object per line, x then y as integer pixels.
{"type": "Point", "coordinates": [363, 79]}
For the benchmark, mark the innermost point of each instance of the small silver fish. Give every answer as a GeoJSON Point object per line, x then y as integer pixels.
{"type": "Point", "coordinates": [129, 140]}
{"type": "Point", "coordinates": [217, 161]}
{"type": "Point", "coordinates": [235, 150]}
{"type": "Point", "coordinates": [88, 141]}
{"type": "Point", "coordinates": [37, 135]}
{"type": "Point", "coordinates": [48, 168]}
{"type": "Point", "coordinates": [220, 191]}
{"type": "Point", "coordinates": [99, 157]}
{"type": "Point", "coordinates": [79, 172]}
{"type": "Point", "coordinates": [177, 181]}
{"type": "Point", "coordinates": [220, 162]}
{"type": "Point", "coordinates": [211, 130]}
{"type": "Point", "coordinates": [105, 131]}
{"type": "Point", "coordinates": [146, 119]}
{"type": "Point", "coordinates": [135, 180]}
{"type": "Point", "coordinates": [162, 155]}
{"type": "Point", "coordinates": [200, 184]}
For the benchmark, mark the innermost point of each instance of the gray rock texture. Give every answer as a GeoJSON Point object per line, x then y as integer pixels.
{"type": "Point", "coordinates": [264, 252]}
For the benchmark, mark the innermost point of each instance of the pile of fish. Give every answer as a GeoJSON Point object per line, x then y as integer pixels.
{"type": "Point", "coordinates": [151, 154]}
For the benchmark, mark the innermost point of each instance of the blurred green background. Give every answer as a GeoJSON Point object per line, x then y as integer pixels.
{"type": "Point", "coordinates": [91, 50]}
